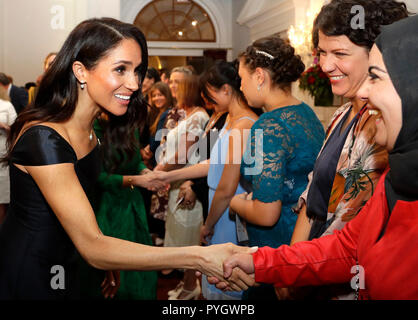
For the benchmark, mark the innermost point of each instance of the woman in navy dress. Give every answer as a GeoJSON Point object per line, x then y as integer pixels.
{"type": "Point", "coordinates": [53, 156]}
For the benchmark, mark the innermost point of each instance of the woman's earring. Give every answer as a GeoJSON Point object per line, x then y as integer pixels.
{"type": "Point", "coordinates": [83, 85]}
{"type": "Point", "coordinates": [258, 88]}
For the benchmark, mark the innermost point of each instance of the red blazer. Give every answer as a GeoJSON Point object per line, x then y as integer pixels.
{"type": "Point", "coordinates": [390, 263]}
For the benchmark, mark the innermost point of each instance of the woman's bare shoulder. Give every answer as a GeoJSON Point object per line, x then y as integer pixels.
{"type": "Point", "coordinates": [245, 121]}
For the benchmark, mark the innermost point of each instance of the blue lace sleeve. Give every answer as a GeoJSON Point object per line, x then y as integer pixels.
{"type": "Point", "coordinates": [270, 155]}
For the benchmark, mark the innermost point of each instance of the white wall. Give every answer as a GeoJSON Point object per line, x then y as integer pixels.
{"type": "Point", "coordinates": [240, 33]}
{"type": "Point", "coordinates": [30, 29]}
{"type": "Point", "coordinates": [103, 8]}
{"type": "Point", "coordinates": [266, 17]}
{"type": "Point", "coordinates": [1, 36]}
{"type": "Point", "coordinates": [26, 34]}
{"type": "Point", "coordinates": [412, 5]}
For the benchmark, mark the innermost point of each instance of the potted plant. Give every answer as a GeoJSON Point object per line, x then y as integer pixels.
{"type": "Point", "coordinates": [317, 83]}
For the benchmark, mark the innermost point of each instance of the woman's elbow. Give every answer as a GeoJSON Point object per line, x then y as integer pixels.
{"type": "Point", "coordinates": [93, 255]}
{"type": "Point", "coordinates": [268, 221]}
{"type": "Point", "coordinates": [269, 216]}
{"type": "Point", "coordinates": [97, 263]}
{"type": "Point", "coordinates": [226, 192]}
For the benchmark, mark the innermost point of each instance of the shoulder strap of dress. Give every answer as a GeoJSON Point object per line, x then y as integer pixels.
{"type": "Point", "coordinates": [246, 117]}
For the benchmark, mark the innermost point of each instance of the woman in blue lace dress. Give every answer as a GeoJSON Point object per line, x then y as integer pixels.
{"type": "Point", "coordinates": [281, 150]}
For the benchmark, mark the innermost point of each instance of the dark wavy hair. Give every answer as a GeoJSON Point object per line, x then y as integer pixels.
{"type": "Point", "coordinates": [276, 56]}
{"type": "Point", "coordinates": [335, 18]}
{"type": "Point", "coordinates": [57, 97]}
{"type": "Point", "coordinates": [219, 74]}
{"type": "Point", "coordinates": [153, 73]}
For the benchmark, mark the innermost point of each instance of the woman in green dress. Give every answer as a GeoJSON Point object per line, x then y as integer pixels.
{"type": "Point", "coordinates": [120, 212]}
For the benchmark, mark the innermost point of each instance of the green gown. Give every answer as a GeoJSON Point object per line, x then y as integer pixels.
{"type": "Point", "coordinates": [120, 213]}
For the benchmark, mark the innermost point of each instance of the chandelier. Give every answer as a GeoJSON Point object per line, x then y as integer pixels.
{"type": "Point", "coordinates": [300, 36]}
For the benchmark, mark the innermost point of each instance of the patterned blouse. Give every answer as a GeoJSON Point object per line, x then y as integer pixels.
{"type": "Point", "coordinates": [359, 168]}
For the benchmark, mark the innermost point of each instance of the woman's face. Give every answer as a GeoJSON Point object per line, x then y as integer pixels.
{"type": "Point", "coordinates": [208, 104]}
{"type": "Point", "coordinates": [147, 84]}
{"type": "Point", "coordinates": [164, 78]}
{"type": "Point", "coordinates": [384, 100]}
{"type": "Point", "coordinates": [249, 86]}
{"type": "Point", "coordinates": [222, 98]}
{"type": "Point", "coordinates": [111, 83]}
{"type": "Point", "coordinates": [344, 62]}
{"type": "Point", "coordinates": [158, 99]}
{"type": "Point", "coordinates": [175, 79]}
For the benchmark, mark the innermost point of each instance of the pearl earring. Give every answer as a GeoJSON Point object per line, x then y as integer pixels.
{"type": "Point", "coordinates": [83, 85]}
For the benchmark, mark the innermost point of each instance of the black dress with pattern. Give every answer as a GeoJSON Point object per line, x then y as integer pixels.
{"type": "Point", "coordinates": [34, 247]}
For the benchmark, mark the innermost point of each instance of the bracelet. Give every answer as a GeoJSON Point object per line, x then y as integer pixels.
{"type": "Point", "coordinates": [130, 183]}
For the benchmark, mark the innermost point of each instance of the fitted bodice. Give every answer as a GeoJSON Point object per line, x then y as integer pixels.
{"type": "Point", "coordinates": [32, 238]}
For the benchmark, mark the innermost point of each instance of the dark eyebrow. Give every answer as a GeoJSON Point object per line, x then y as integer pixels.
{"type": "Point", "coordinates": [377, 68]}
{"type": "Point", "coordinates": [124, 62]}
{"type": "Point", "coordinates": [339, 49]}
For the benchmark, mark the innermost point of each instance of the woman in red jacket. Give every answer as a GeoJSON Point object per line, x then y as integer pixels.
{"type": "Point", "coordinates": [375, 251]}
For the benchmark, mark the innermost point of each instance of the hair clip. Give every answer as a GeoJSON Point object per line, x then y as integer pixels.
{"type": "Point", "coordinates": [268, 55]}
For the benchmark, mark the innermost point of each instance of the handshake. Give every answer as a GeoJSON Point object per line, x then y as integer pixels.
{"type": "Point", "coordinates": [151, 180]}
{"type": "Point", "coordinates": [229, 267]}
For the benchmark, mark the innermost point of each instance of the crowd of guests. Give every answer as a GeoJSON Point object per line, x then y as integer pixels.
{"type": "Point", "coordinates": [232, 156]}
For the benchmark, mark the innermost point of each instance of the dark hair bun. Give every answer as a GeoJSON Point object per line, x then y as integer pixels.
{"type": "Point", "coordinates": [219, 74]}
{"type": "Point", "coordinates": [278, 57]}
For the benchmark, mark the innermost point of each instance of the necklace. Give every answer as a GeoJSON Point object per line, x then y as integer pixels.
{"type": "Point", "coordinates": [213, 121]}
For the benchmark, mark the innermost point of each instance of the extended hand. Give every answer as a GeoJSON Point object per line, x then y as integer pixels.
{"type": "Point", "coordinates": [159, 167]}
{"type": "Point", "coordinates": [213, 267]}
{"type": "Point", "coordinates": [161, 176]}
{"type": "Point", "coordinates": [153, 183]}
{"type": "Point", "coordinates": [244, 261]}
{"type": "Point", "coordinates": [205, 234]}
{"type": "Point", "coordinates": [234, 266]}
{"type": "Point", "coordinates": [188, 195]}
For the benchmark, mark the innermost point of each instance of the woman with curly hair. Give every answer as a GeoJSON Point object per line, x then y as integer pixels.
{"type": "Point", "coordinates": [378, 241]}
{"type": "Point", "coordinates": [350, 162]}
{"type": "Point", "coordinates": [275, 164]}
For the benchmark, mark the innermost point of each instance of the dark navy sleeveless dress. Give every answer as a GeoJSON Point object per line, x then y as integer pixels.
{"type": "Point", "coordinates": [34, 247]}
